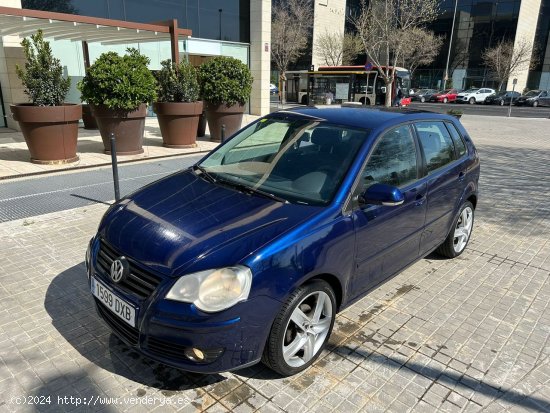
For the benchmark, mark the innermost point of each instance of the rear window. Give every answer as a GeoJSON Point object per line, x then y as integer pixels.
{"type": "Point", "coordinates": [457, 139]}
{"type": "Point", "coordinates": [436, 143]}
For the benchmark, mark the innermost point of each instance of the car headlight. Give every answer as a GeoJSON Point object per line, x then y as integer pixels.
{"type": "Point", "coordinates": [213, 290]}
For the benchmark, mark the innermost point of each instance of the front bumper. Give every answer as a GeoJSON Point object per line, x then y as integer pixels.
{"type": "Point", "coordinates": [168, 331]}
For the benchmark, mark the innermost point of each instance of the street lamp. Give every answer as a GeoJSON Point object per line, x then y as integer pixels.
{"type": "Point", "coordinates": [450, 47]}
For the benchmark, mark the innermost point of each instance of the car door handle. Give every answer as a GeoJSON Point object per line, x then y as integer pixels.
{"type": "Point", "coordinates": [461, 176]}
{"type": "Point", "coordinates": [419, 200]}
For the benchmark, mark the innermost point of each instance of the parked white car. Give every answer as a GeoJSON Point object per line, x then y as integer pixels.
{"type": "Point", "coordinates": [474, 95]}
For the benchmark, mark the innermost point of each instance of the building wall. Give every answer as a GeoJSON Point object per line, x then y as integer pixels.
{"type": "Point", "coordinates": [329, 17]}
{"type": "Point", "coordinates": [11, 54]}
{"type": "Point", "coordinates": [525, 31]}
{"type": "Point", "coordinates": [260, 55]}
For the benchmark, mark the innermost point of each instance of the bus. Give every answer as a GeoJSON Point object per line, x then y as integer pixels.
{"type": "Point", "coordinates": [339, 84]}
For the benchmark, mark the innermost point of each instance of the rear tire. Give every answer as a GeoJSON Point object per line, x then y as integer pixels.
{"type": "Point", "coordinates": [301, 329]}
{"type": "Point", "coordinates": [460, 233]}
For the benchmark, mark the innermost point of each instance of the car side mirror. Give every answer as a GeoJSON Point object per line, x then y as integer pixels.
{"type": "Point", "coordinates": [382, 194]}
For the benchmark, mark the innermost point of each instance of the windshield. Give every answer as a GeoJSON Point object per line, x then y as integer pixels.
{"type": "Point", "coordinates": [533, 93]}
{"type": "Point", "coordinates": [502, 94]}
{"type": "Point", "coordinates": [294, 159]}
{"type": "Point", "coordinates": [472, 90]}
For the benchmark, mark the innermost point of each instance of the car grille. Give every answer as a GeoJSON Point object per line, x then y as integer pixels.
{"type": "Point", "coordinates": [166, 348]}
{"type": "Point", "coordinates": [139, 283]}
{"type": "Point", "coordinates": [171, 350]}
{"type": "Point", "coordinates": [123, 330]}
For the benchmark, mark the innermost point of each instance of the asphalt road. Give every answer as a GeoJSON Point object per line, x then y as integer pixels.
{"type": "Point", "coordinates": [25, 198]}
{"type": "Point", "coordinates": [478, 109]}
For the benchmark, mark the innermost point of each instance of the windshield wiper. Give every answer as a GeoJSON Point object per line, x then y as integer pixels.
{"type": "Point", "coordinates": [251, 190]}
{"type": "Point", "coordinates": [204, 173]}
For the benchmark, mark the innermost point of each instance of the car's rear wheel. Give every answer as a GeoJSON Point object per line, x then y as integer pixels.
{"type": "Point", "coordinates": [472, 101]}
{"type": "Point", "coordinates": [460, 234]}
{"type": "Point", "coordinates": [301, 329]}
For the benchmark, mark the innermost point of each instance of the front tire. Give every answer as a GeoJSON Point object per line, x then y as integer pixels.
{"type": "Point", "coordinates": [422, 99]}
{"type": "Point", "coordinates": [445, 100]}
{"type": "Point", "coordinates": [472, 101]}
{"type": "Point", "coordinates": [458, 238]}
{"type": "Point", "coordinates": [301, 329]}
{"type": "Point", "coordinates": [501, 103]}
{"type": "Point", "coordinates": [535, 104]}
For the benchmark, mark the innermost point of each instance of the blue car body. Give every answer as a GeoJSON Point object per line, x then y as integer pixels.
{"type": "Point", "coordinates": [183, 224]}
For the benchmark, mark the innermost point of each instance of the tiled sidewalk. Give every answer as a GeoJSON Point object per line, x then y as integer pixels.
{"type": "Point", "coordinates": [14, 155]}
{"type": "Point", "coordinates": [470, 334]}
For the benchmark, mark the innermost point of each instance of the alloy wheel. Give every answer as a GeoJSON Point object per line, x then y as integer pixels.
{"type": "Point", "coordinates": [463, 229]}
{"type": "Point", "coordinates": [307, 329]}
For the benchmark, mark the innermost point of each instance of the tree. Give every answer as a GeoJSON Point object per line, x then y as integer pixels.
{"type": "Point", "coordinates": [506, 60]}
{"type": "Point", "coordinates": [338, 48]}
{"type": "Point", "coordinates": [383, 27]}
{"type": "Point", "coordinates": [291, 22]}
{"type": "Point", "coordinates": [421, 47]}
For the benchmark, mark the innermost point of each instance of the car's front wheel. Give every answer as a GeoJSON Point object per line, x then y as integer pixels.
{"type": "Point", "coordinates": [472, 101]}
{"type": "Point", "coordinates": [501, 103]}
{"type": "Point", "coordinates": [459, 236]}
{"type": "Point", "coordinates": [535, 104]}
{"type": "Point", "coordinates": [301, 329]}
{"type": "Point", "coordinates": [422, 99]}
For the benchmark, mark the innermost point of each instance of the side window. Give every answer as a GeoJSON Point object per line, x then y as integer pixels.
{"type": "Point", "coordinates": [393, 160]}
{"type": "Point", "coordinates": [457, 139]}
{"type": "Point", "coordinates": [437, 144]}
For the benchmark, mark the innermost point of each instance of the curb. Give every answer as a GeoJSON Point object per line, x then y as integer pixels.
{"type": "Point", "coordinates": [76, 168]}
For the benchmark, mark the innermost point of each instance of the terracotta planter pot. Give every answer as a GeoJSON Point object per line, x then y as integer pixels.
{"type": "Point", "coordinates": [127, 126]}
{"type": "Point", "coordinates": [50, 132]}
{"type": "Point", "coordinates": [178, 123]}
{"type": "Point", "coordinates": [218, 115]}
{"type": "Point", "coordinates": [88, 118]}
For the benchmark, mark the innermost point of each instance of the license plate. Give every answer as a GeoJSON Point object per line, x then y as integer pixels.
{"type": "Point", "coordinates": [117, 305]}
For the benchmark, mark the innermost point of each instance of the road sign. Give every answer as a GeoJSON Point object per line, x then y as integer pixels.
{"type": "Point", "coordinates": [368, 66]}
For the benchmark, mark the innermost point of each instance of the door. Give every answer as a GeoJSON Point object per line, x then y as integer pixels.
{"type": "Point", "coordinates": [544, 99]}
{"type": "Point", "coordinates": [445, 180]}
{"type": "Point", "coordinates": [388, 237]}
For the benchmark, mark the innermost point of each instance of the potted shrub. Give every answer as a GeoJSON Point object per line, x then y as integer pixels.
{"type": "Point", "coordinates": [178, 107]}
{"type": "Point", "coordinates": [457, 113]}
{"type": "Point", "coordinates": [117, 88]}
{"type": "Point", "coordinates": [49, 126]}
{"type": "Point", "coordinates": [226, 83]}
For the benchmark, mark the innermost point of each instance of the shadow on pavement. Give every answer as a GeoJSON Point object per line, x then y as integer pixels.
{"type": "Point", "coordinates": [71, 308]}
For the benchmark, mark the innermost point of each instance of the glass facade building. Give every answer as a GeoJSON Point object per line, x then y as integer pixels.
{"type": "Point", "coordinates": [220, 27]}
{"type": "Point", "coordinates": [227, 20]}
{"type": "Point", "coordinates": [479, 24]}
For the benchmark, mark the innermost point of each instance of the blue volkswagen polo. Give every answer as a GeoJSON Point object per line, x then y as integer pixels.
{"type": "Point", "coordinates": [248, 255]}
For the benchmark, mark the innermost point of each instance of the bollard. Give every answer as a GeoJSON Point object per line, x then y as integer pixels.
{"type": "Point", "coordinates": [115, 166]}
{"type": "Point", "coordinates": [223, 133]}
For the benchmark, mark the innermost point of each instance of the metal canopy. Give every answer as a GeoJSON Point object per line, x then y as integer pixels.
{"type": "Point", "coordinates": [59, 26]}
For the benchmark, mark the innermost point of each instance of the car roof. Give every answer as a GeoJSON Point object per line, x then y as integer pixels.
{"type": "Point", "coordinates": [364, 117]}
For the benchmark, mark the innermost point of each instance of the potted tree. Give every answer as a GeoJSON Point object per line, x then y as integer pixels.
{"type": "Point", "coordinates": [226, 83]}
{"type": "Point", "coordinates": [117, 88]}
{"type": "Point", "coordinates": [49, 126]}
{"type": "Point", "coordinates": [178, 107]}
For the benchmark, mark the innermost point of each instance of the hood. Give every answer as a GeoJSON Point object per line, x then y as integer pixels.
{"type": "Point", "coordinates": [183, 220]}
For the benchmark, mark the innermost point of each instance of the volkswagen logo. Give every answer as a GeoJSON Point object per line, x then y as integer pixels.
{"type": "Point", "coordinates": [119, 269]}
